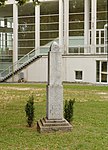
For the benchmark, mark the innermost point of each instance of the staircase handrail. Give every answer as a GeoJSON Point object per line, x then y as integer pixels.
{"type": "Point", "coordinates": [12, 68]}
{"type": "Point", "coordinates": [26, 54]}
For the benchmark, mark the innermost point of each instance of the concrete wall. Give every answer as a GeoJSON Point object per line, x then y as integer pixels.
{"type": "Point", "coordinates": [85, 64]}
{"type": "Point", "coordinates": [37, 71]}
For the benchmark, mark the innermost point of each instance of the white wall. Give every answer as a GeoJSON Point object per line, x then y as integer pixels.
{"type": "Point", "coordinates": [37, 71]}
{"type": "Point", "coordinates": [77, 63]}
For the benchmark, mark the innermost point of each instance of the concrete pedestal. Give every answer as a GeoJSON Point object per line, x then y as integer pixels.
{"type": "Point", "coordinates": [46, 125]}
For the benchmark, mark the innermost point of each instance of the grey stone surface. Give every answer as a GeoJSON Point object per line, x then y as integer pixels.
{"type": "Point", "coordinates": [54, 65]}
{"type": "Point", "coordinates": [55, 102]}
{"type": "Point", "coordinates": [54, 120]}
{"type": "Point", "coordinates": [54, 88]}
{"type": "Point", "coordinates": [45, 125]}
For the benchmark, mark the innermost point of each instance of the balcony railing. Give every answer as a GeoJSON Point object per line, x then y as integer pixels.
{"type": "Point", "coordinates": [98, 49]}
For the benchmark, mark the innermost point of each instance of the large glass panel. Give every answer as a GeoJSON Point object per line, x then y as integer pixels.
{"type": "Point", "coordinates": [6, 36]}
{"type": "Point", "coordinates": [49, 28]}
{"type": "Point", "coordinates": [26, 29]}
{"type": "Point", "coordinates": [101, 13]}
{"type": "Point", "coordinates": [76, 25]}
{"type": "Point", "coordinates": [76, 17]}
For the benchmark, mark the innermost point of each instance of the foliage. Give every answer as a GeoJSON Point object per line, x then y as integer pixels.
{"type": "Point", "coordinates": [36, 2]}
{"type": "Point", "coordinates": [68, 110]}
{"type": "Point", "coordinates": [22, 2]}
{"type": "Point", "coordinates": [2, 2]}
{"type": "Point", "coordinates": [29, 109]}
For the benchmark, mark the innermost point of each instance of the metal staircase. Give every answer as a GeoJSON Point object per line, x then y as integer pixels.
{"type": "Point", "coordinates": [20, 64]}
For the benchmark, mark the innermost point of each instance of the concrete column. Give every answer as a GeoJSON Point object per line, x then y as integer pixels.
{"type": "Point", "coordinates": [66, 26]}
{"type": "Point", "coordinates": [86, 25]}
{"type": "Point", "coordinates": [15, 32]}
{"type": "Point", "coordinates": [93, 25]}
{"type": "Point", "coordinates": [37, 28]}
{"type": "Point", "coordinates": [61, 41]}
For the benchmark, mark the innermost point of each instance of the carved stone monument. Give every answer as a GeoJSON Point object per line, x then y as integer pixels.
{"type": "Point", "coordinates": [54, 120]}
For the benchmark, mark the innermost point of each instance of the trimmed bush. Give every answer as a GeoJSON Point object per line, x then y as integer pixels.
{"type": "Point", "coordinates": [29, 109]}
{"type": "Point", "coordinates": [68, 110]}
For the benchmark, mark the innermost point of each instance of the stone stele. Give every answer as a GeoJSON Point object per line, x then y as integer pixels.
{"type": "Point", "coordinates": [54, 120]}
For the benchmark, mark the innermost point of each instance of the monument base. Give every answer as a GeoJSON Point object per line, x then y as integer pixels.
{"type": "Point", "coordinates": [45, 125]}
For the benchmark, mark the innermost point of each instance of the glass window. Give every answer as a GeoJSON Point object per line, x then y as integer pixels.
{"type": "Point", "coordinates": [78, 75]}
{"type": "Point", "coordinates": [101, 13]}
{"type": "Point", "coordinates": [103, 77]}
{"type": "Point", "coordinates": [104, 66]}
{"type": "Point", "coordinates": [2, 23]}
{"type": "Point", "coordinates": [49, 24]}
{"type": "Point", "coordinates": [26, 29]}
{"type": "Point", "coordinates": [97, 71]}
{"type": "Point", "coordinates": [101, 71]}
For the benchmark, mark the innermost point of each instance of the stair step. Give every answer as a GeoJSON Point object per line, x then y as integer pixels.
{"type": "Point", "coordinates": [51, 125]}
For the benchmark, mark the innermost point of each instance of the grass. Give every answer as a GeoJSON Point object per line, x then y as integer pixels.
{"type": "Point", "coordinates": [90, 124]}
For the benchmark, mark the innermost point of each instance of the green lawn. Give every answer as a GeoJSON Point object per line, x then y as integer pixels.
{"type": "Point", "coordinates": [90, 124]}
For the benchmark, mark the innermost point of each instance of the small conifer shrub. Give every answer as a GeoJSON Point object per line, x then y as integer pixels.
{"type": "Point", "coordinates": [29, 109]}
{"type": "Point", "coordinates": [68, 110]}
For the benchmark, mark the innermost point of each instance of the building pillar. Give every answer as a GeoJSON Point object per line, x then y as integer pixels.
{"type": "Point", "coordinates": [5, 23]}
{"type": "Point", "coordinates": [37, 28]}
{"type": "Point", "coordinates": [86, 25]}
{"type": "Point", "coordinates": [106, 39]}
{"type": "Point", "coordinates": [93, 25]}
{"type": "Point", "coordinates": [66, 26]}
{"type": "Point", "coordinates": [61, 42]}
{"type": "Point", "coordinates": [15, 32]}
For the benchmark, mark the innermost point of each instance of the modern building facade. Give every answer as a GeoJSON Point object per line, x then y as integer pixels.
{"type": "Point", "coordinates": [80, 28]}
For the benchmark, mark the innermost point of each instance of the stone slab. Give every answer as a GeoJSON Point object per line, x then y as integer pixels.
{"type": "Point", "coordinates": [55, 102]}
{"type": "Point", "coordinates": [46, 126]}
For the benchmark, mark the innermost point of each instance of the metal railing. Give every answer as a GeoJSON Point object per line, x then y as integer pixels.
{"type": "Point", "coordinates": [20, 63]}
{"type": "Point", "coordinates": [81, 49]}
